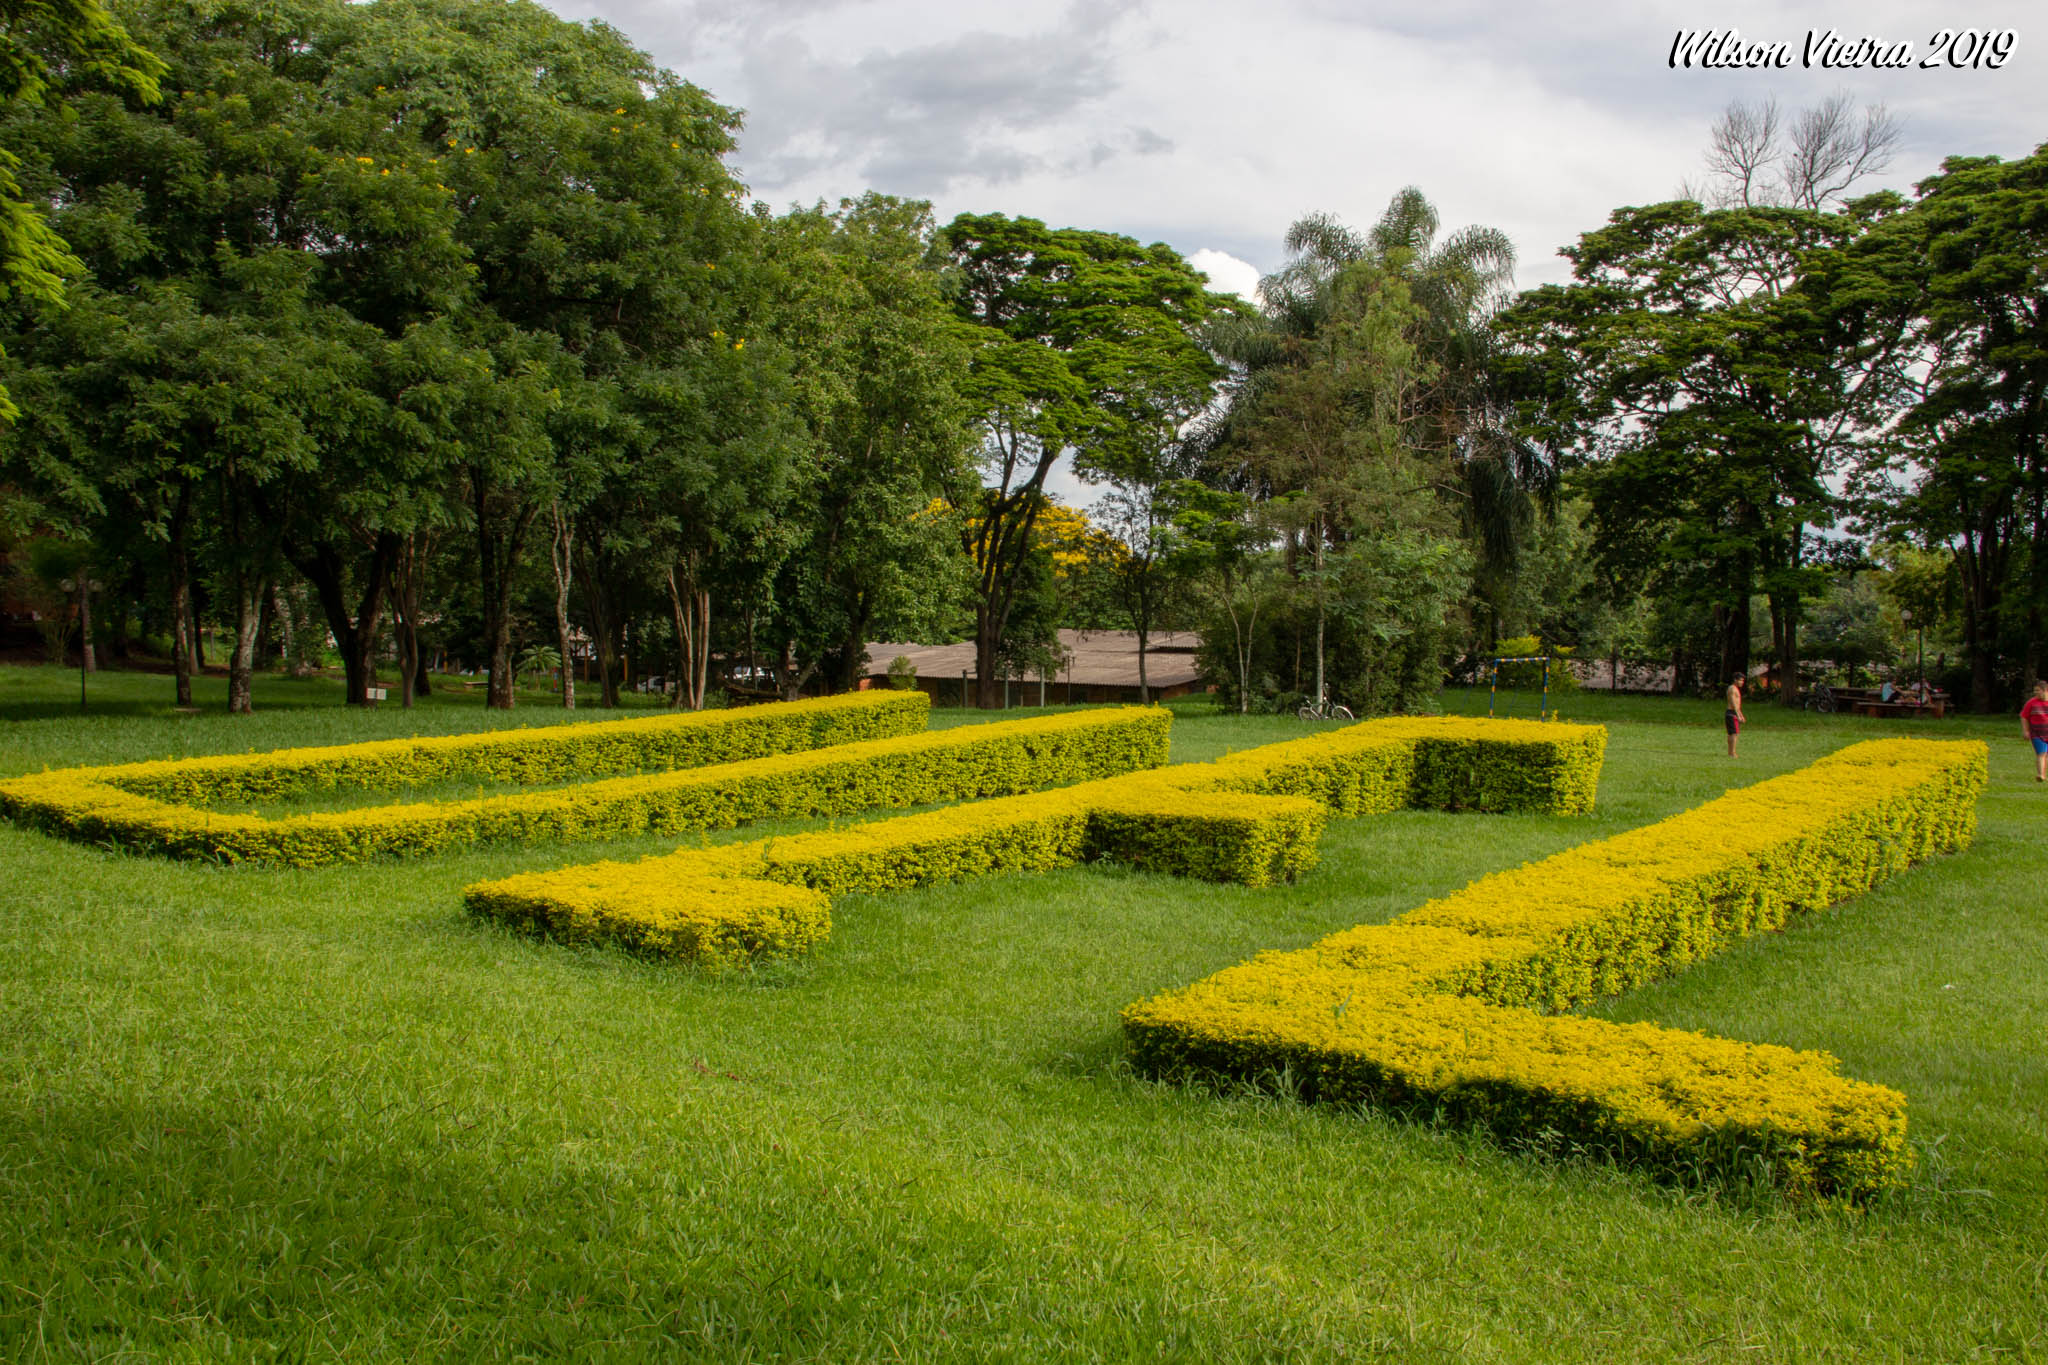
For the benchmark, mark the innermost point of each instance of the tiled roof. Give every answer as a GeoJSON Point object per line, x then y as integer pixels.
{"type": "Point", "coordinates": [1096, 658]}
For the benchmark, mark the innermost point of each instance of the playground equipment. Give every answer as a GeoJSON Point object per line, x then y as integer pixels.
{"type": "Point", "coordinates": [1493, 689]}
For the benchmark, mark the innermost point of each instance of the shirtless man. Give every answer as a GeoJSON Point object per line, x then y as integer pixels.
{"type": "Point", "coordinates": [1735, 716]}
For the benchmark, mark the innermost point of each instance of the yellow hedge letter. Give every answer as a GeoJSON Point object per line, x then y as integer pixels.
{"type": "Point", "coordinates": [1251, 818]}
{"type": "Point", "coordinates": [1449, 1009]}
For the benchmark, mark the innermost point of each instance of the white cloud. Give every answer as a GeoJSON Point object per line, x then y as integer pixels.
{"type": "Point", "coordinates": [1210, 124]}
{"type": "Point", "coordinates": [1227, 274]}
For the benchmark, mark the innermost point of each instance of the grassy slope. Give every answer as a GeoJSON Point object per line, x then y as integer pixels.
{"type": "Point", "coordinates": [256, 1114]}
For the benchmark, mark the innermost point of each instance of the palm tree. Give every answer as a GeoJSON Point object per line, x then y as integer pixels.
{"type": "Point", "coordinates": [1498, 480]}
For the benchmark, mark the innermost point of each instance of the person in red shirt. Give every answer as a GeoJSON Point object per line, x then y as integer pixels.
{"type": "Point", "coordinates": [2034, 721]}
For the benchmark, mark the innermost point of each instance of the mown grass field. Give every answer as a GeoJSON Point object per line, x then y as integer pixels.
{"type": "Point", "coordinates": [254, 1114]}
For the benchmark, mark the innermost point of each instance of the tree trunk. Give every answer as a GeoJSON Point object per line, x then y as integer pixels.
{"type": "Point", "coordinates": [408, 577]}
{"type": "Point", "coordinates": [986, 640]}
{"type": "Point", "coordinates": [683, 650]}
{"type": "Point", "coordinates": [282, 616]}
{"type": "Point", "coordinates": [561, 553]}
{"type": "Point", "coordinates": [249, 596]}
{"type": "Point", "coordinates": [500, 694]}
{"type": "Point", "coordinates": [702, 674]}
{"type": "Point", "coordinates": [1321, 695]}
{"type": "Point", "coordinates": [2037, 596]}
{"type": "Point", "coordinates": [355, 635]}
{"type": "Point", "coordinates": [1981, 571]}
{"type": "Point", "coordinates": [999, 549]}
{"type": "Point", "coordinates": [499, 540]}
{"type": "Point", "coordinates": [193, 593]}
{"type": "Point", "coordinates": [1242, 648]}
{"type": "Point", "coordinates": [847, 665]}
{"type": "Point", "coordinates": [270, 634]}
{"type": "Point", "coordinates": [1734, 622]}
{"type": "Point", "coordinates": [1785, 646]}
{"type": "Point", "coordinates": [181, 599]}
{"type": "Point", "coordinates": [692, 609]}
{"type": "Point", "coordinates": [603, 628]}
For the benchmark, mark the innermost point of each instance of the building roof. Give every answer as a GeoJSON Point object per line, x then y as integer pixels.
{"type": "Point", "coordinates": [1095, 658]}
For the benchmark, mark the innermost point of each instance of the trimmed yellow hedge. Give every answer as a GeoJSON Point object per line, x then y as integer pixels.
{"type": "Point", "coordinates": [528, 756]}
{"type": "Point", "coordinates": [914, 769]}
{"type": "Point", "coordinates": [1252, 818]}
{"type": "Point", "coordinates": [1436, 763]}
{"type": "Point", "coordinates": [1443, 1010]}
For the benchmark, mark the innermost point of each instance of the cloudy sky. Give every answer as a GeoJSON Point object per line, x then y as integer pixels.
{"type": "Point", "coordinates": [1212, 125]}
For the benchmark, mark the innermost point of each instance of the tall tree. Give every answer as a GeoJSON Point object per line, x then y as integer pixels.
{"type": "Point", "coordinates": [1758, 157]}
{"type": "Point", "coordinates": [878, 373]}
{"type": "Point", "coordinates": [601, 227]}
{"type": "Point", "coordinates": [1332, 430]}
{"type": "Point", "coordinates": [1714, 397]}
{"type": "Point", "coordinates": [1958, 288]}
{"type": "Point", "coordinates": [1081, 341]}
{"type": "Point", "coordinates": [222, 229]}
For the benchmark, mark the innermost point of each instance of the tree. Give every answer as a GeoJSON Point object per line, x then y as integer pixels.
{"type": "Point", "coordinates": [1955, 286]}
{"type": "Point", "coordinates": [878, 368]}
{"type": "Point", "coordinates": [593, 208]}
{"type": "Point", "coordinates": [1082, 341]}
{"type": "Point", "coordinates": [1713, 394]}
{"type": "Point", "coordinates": [1496, 480]}
{"type": "Point", "coordinates": [47, 46]}
{"type": "Point", "coordinates": [1330, 430]}
{"type": "Point", "coordinates": [217, 384]}
{"type": "Point", "coordinates": [1148, 568]}
{"type": "Point", "coordinates": [1756, 158]}
{"type": "Point", "coordinates": [1218, 541]}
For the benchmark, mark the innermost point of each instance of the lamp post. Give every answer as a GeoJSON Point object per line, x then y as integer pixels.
{"type": "Point", "coordinates": [1906, 615]}
{"type": "Point", "coordinates": [84, 586]}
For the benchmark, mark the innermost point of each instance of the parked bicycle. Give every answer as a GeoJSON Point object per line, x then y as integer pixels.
{"type": "Point", "coordinates": [1324, 709]}
{"type": "Point", "coordinates": [1820, 697]}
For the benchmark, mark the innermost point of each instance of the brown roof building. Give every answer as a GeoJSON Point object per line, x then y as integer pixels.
{"type": "Point", "coordinates": [1101, 666]}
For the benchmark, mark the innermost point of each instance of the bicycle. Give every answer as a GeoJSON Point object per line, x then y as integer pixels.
{"type": "Point", "coordinates": [1820, 697]}
{"type": "Point", "coordinates": [1324, 710]}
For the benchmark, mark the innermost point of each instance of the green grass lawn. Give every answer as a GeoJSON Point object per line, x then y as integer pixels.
{"type": "Point", "coordinates": [260, 1114]}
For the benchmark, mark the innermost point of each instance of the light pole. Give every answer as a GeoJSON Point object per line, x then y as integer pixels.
{"type": "Point", "coordinates": [84, 585]}
{"type": "Point", "coordinates": [1906, 615]}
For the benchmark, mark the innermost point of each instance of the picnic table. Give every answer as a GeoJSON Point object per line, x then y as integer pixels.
{"type": "Point", "coordinates": [1936, 707]}
{"type": "Point", "coordinates": [1871, 701]}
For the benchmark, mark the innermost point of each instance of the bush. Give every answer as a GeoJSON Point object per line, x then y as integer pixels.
{"type": "Point", "coordinates": [1252, 818]}
{"type": "Point", "coordinates": [1447, 1010]}
{"type": "Point", "coordinates": [153, 806]}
